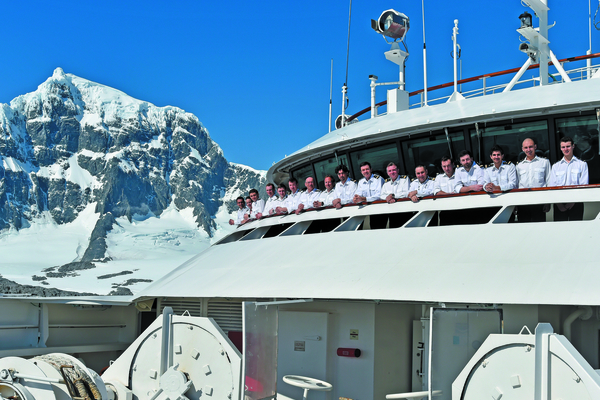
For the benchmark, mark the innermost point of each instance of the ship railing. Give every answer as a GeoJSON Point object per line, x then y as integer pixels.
{"type": "Point", "coordinates": [575, 74]}
{"type": "Point", "coordinates": [594, 212]}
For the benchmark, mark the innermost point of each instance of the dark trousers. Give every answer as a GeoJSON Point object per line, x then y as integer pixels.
{"type": "Point", "coordinates": [532, 213]}
{"type": "Point", "coordinates": [575, 213]}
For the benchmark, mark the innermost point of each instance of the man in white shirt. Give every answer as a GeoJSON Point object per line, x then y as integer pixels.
{"type": "Point", "coordinates": [533, 171]}
{"type": "Point", "coordinates": [569, 171]}
{"type": "Point", "coordinates": [445, 183]}
{"type": "Point", "coordinates": [469, 176]}
{"type": "Point", "coordinates": [257, 204]}
{"type": "Point", "coordinates": [327, 195]}
{"type": "Point", "coordinates": [309, 196]}
{"type": "Point", "coordinates": [292, 200]}
{"type": "Point", "coordinates": [422, 186]}
{"type": "Point", "coordinates": [271, 204]}
{"type": "Point", "coordinates": [500, 176]}
{"type": "Point", "coordinates": [242, 209]}
{"type": "Point", "coordinates": [282, 201]}
{"type": "Point", "coordinates": [396, 187]}
{"type": "Point", "coordinates": [369, 187]}
{"type": "Point", "coordinates": [345, 188]}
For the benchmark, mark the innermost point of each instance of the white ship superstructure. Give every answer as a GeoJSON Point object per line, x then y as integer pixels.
{"type": "Point", "coordinates": [449, 297]}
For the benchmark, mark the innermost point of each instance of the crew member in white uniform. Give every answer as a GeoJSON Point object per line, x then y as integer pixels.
{"type": "Point", "coordinates": [257, 204]}
{"type": "Point", "coordinates": [242, 209]}
{"type": "Point", "coordinates": [445, 183]}
{"type": "Point", "coordinates": [569, 171]}
{"type": "Point", "coordinates": [369, 187]}
{"type": "Point", "coordinates": [327, 195]}
{"type": "Point", "coordinates": [469, 176]}
{"type": "Point", "coordinates": [396, 187]}
{"type": "Point", "coordinates": [282, 200]}
{"type": "Point", "coordinates": [422, 186]}
{"type": "Point", "coordinates": [249, 208]}
{"type": "Point", "coordinates": [533, 172]}
{"type": "Point", "coordinates": [345, 188]}
{"type": "Point", "coordinates": [272, 202]}
{"type": "Point", "coordinates": [292, 200]}
{"type": "Point", "coordinates": [500, 176]}
{"type": "Point", "coordinates": [309, 196]}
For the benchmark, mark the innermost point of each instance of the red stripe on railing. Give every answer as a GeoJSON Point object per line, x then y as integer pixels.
{"type": "Point", "coordinates": [475, 78]}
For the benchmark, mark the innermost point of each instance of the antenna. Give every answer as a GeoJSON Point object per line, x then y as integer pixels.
{"type": "Point", "coordinates": [589, 60]}
{"type": "Point", "coordinates": [330, 93]}
{"type": "Point", "coordinates": [345, 87]}
{"type": "Point", "coordinates": [424, 55]}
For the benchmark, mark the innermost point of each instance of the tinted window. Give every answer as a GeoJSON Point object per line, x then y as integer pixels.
{"type": "Point", "coordinates": [379, 157]}
{"type": "Point", "coordinates": [510, 137]}
{"type": "Point", "coordinates": [327, 167]}
{"type": "Point", "coordinates": [584, 131]}
{"type": "Point", "coordinates": [302, 173]}
{"type": "Point", "coordinates": [429, 151]}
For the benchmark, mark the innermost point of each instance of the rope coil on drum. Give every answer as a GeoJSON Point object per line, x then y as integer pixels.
{"type": "Point", "coordinates": [77, 380]}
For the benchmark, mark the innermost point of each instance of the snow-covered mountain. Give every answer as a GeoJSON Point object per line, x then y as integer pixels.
{"type": "Point", "coordinates": [102, 188]}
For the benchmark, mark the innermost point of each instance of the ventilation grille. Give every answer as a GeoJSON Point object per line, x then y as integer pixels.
{"type": "Point", "coordinates": [227, 314]}
{"type": "Point", "coordinates": [180, 305]}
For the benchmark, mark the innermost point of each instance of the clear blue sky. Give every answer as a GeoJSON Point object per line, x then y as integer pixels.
{"type": "Point", "coordinates": [257, 73]}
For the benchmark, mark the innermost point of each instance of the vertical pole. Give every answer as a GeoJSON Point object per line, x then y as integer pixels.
{"type": "Point", "coordinates": [165, 348]}
{"type": "Point", "coordinates": [588, 62]}
{"type": "Point", "coordinates": [330, 93]}
{"type": "Point", "coordinates": [343, 121]}
{"type": "Point", "coordinates": [373, 79]}
{"type": "Point", "coordinates": [454, 33]}
{"type": "Point", "coordinates": [429, 386]}
{"type": "Point", "coordinates": [544, 48]}
{"type": "Point", "coordinates": [542, 361]}
{"type": "Point", "coordinates": [424, 56]}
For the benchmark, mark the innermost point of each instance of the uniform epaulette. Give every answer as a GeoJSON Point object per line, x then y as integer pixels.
{"type": "Point", "coordinates": [440, 173]}
{"type": "Point", "coordinates": [376, 176]}
{"type": "Point", "coordinates": [387, 180]}
{"type": "Point", "coordinates": [508, 162]}
{"type": "Point", "coordinates": [413, 179]}
{"type": "Point", "coordinates": [403, 176]}
{"type": "Point", "coordinates": [433, 179]}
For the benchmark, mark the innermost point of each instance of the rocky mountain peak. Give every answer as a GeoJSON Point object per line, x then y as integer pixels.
{"type": "Point", "coordinates": [74, 142]}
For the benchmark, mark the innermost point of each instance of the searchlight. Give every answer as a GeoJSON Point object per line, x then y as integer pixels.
{"type": "Point", "coordinates": [392, 24]}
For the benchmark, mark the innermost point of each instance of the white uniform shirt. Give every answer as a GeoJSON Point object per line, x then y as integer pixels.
{"type": "Point", "coordinates": [271, 204]}
{"type": "Point", "coordinates": [569, 173]}
{"type": "Point", "coordinates": [423, 189]}
{"type": "Point", "coordinates": [399, 187]}
{"type": "Point", "coordinates": [534, 173]}
{"type": "Point", "coordinates": [371, 189]}
{"type": "Point", "coordinates": [505, 176]}
{"type": "Point", "coordinates": [293, 199]}
{"type": "Point", "coordinates": [464, 178]}
{"type": "Point", "coordinates": [444, 183]}
{"type": "Point", "coordinates": [257, 207]}
{"type": "Point", "coordinates": [327, 197]}
{"type": "Point", "coordinates": [282, 202]}
{"type": "Point", "coordinates": [240, 215]}
{"type": "Point", "coordinates": [345, 191]}
{"type": "Point", "coordinates": [308, 198]}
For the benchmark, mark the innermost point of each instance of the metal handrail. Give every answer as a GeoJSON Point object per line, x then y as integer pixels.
{"type": "Point", "coordinates": [479, 77]}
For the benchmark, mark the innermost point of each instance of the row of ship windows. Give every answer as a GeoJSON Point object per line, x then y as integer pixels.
{"type": "Point", "coordinates": [429, 150]}
{"type": "Point", "coordinates": [431, 218]}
